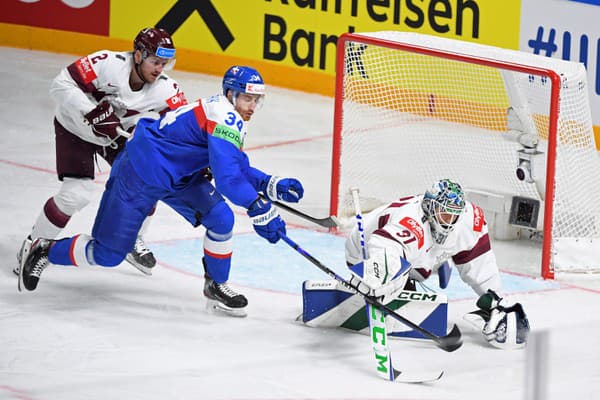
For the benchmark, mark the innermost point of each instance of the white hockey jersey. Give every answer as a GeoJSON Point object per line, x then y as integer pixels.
{"type": "Point", "coordinates": [402, 224]}
{"type": "Point", "coordinates": [104, 75]}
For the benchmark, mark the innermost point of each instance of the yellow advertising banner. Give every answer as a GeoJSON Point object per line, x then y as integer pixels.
{"type": "Point", "coordinates": [298, 37]}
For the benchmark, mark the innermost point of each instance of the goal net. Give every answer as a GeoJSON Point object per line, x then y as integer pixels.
{"type": "Point", "coordinates": [513, 128]}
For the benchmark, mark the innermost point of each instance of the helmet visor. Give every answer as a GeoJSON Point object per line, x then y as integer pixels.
{"type": "Point", "coordinates": [164, 56]}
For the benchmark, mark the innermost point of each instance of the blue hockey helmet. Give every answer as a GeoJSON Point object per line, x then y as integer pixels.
{"type": "Point", "coordinates": [243, 79]}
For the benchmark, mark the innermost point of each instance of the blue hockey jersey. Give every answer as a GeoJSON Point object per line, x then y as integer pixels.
{"type": "Point", "coordinates": [165, 153]}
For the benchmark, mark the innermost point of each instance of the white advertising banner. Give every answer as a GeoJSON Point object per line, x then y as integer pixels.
{"type": "Point", "coordinates": [565, 29]}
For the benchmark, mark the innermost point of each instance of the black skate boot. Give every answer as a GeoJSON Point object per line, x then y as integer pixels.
{"type": "Point", "coordinates": [22, 254]}
{"type": "Point", "coordinates": [220, 297]}
{"type": "Point", "coordinates": [34, 264]}
{"type": "Point", "coordinates": [141, 257]}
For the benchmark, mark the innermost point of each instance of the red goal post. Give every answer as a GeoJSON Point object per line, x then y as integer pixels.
{"type": "Point", "coordinates": [413, 108]}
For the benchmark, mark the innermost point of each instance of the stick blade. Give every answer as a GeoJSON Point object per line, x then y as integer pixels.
{"type": "Point", "coordinates": [417, 377]}
{"type": "Point", "coordinates": [452, 341]}
{"type": "Point", "coordinates": [331, 222]}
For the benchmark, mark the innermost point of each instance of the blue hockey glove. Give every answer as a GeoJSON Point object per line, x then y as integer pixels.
{"type": "Point", "coordinates": [266, 220]}
{"type": "Point", "coordinates": [286, 189]}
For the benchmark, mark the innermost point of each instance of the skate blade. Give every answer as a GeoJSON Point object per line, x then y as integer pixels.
{"type": "Point", "coordinates": [23, 259]}
{"type": "Point", "coordinates": [144, 270]}
{"type": "Point", "coordinates": [217, 308]}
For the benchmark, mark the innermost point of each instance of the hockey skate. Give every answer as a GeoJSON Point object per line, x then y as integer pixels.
{"type": "Point", "coordinates": [141, 257]}
{"type": "Point", "coordinates": [22, 254]}
{"type": "Point", "coordinates": [34, 264]}
{"type": "Point", "coordinates": [222, 299]}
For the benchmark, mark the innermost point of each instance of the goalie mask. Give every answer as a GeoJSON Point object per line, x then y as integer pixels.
{"type": "Point", "coordinates": [442, 205]}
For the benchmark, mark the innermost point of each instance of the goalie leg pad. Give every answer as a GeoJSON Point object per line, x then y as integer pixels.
{"type": "Point", "coordinates": [328, 304]}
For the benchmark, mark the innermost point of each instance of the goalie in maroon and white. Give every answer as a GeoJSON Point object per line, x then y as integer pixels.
{"type": "Point", "coordinates": [412, 237]}
{"type": "Point", "coordinates": [99, 98]}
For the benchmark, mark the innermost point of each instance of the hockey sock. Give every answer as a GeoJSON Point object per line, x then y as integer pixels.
{"type": "Point", "coordinates": [70, 251]}
{"type": "Point", "coordinates": [217, 255]}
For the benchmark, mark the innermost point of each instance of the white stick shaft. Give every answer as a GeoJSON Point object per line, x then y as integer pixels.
{"type": "Point", "coordinates": [377, 326]}
{"type": "Point", "coordinates": [359, 221]}
{"type": "Point", "coordinates": [123, 132]}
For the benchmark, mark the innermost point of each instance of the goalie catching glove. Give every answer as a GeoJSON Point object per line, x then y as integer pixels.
{"type": "Point", "coordinates": [383, 275]}
{"type": "Point", "coordinates": [506, 327]}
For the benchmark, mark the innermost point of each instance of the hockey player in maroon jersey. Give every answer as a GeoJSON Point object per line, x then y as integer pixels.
{"type": "Point", "coordinates": [428, 231]}
{"type": "Point", "coordinates": [165, 160]}
{"type": "Point", "coordinates": [94, 96]}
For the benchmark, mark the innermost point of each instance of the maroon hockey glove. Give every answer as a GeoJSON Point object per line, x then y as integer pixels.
{"type": "Point", "coordinates": [103, 120]}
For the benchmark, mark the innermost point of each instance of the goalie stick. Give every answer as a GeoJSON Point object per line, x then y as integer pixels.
{"type": "Point", "coordinates": [449, 342]}
{"type": "Point", "coordinates": [377, 325]}
{"type": "Point", "coordinates": [329, 222]}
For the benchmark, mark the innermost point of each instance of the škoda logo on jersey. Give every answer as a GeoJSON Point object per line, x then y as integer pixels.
{"type": "Point", "coordinates": [84, 67]}
{"type": "Point", "coordinates": [228, 134]}
{"type": "Point", "coordinates": [416, 229]}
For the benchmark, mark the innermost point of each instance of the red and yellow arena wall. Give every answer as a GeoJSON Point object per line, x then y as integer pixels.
{"type": "Point", "coordinates": [292, 42]}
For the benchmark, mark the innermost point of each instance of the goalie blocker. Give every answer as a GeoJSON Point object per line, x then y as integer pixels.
{"type": "Point", "coordinates": [328, 304]}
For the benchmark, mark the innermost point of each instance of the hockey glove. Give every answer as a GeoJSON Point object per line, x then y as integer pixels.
{"type": "Point", "coordinates": [506, 327]}
{"type": "Point", "coordinates": [286, 189]}
{"type": "Point", "coordinates": [103, 120]}
{"type": "Point", "coordinates": [207, 173]}
{"type": "Point", "coordinates": [266, 220]}
{"type": "Point", "coordinates": [383, 275]}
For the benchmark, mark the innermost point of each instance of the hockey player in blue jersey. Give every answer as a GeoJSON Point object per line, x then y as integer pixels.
{"type": "Point", "coordinates": [164, 160]}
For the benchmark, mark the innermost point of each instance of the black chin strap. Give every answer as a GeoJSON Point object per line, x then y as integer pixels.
{"type": "Point", "coordinates": [137, 67]}
{"type": "Point", "coordinates": [139, 74]}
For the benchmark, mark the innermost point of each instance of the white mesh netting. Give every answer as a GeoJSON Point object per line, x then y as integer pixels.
{"type": "Point", "coordinates": [410, 118]}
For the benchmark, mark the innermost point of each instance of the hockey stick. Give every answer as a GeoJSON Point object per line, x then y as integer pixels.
{"type": "Point", "coordinates": [377, 323]}
{"type": "Point", "coordinates": [133, 119]}
{"type": "Point", "coordinates": [449, 342]}
{"type": "Point", "coordinates": [123, 132]}
{"type": "Point", "coordinates": [359, 222]}
{"type": "Point", "coordinates": [376, 316]}
{"type": "Point", "coordinates": [329, 222]}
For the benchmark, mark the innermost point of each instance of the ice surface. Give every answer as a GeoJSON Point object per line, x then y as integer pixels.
{"type": "Point", "coordinates": [117, 334]}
